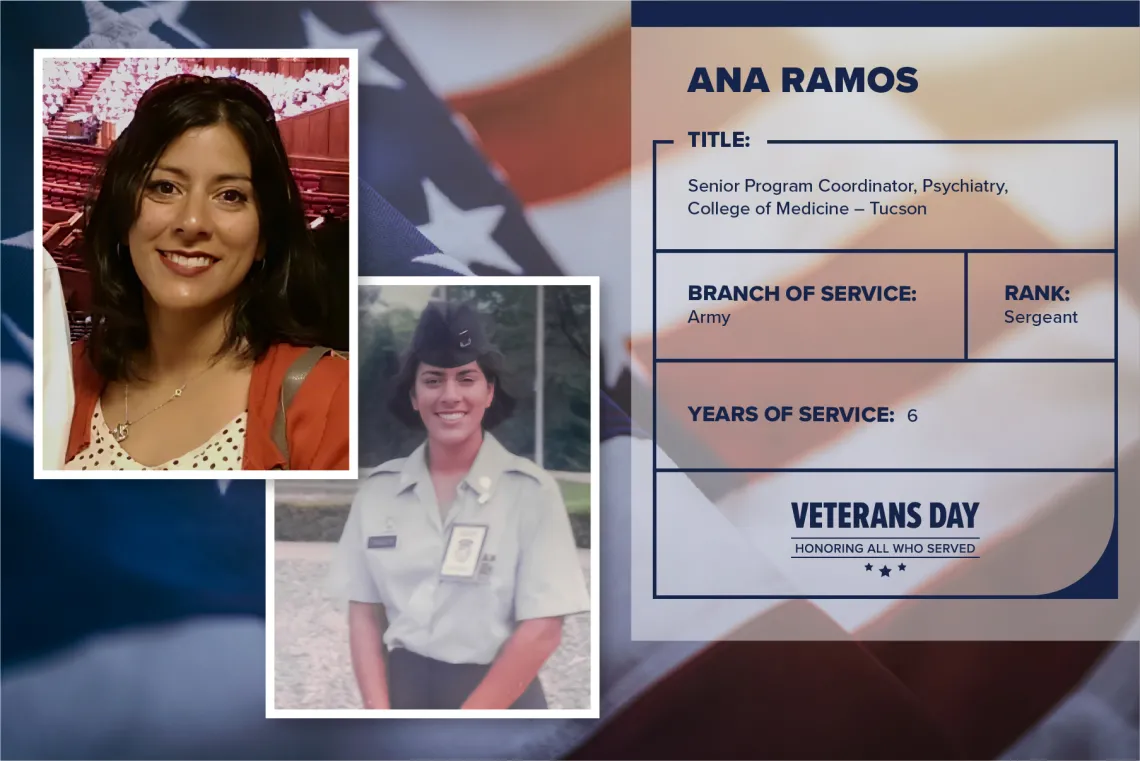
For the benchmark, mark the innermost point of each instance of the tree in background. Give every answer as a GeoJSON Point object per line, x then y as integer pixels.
{"type": "Point", "coordinates": [509, 318]}
{"type": "Point", "coordinates": [567, 407]}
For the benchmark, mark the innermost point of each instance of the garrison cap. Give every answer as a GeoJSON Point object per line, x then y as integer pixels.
{"type": "Point", "coordinates": [449, 335]}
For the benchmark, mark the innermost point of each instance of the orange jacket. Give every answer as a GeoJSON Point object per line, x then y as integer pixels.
{"type": "Point", "coordinates": [317, 423]}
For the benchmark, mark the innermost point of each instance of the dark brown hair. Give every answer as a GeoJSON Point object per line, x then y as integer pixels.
{"type": "Point", "coordinates": [280, 299]}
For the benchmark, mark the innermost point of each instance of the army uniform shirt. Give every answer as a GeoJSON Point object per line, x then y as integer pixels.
{"type": "Point", "coordinates": [454, 586]}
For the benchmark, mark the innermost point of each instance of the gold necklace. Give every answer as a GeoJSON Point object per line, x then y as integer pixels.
{"type": "Point", "coordinates": [123, 429]}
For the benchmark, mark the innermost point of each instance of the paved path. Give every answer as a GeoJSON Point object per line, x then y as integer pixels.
{"type": "Point", "coordinates": [312, 665]}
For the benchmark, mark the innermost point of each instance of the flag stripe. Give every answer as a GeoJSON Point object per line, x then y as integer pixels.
{"type": "Point", "coordinates": [562, 129]}
{"type": "Point", "coordinates": [459, 48]}
{"type": "Point", "coordinates": [957, 680]}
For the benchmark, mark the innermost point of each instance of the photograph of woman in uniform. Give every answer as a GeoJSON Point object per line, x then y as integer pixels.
{"type": "Point", "coordinates": [458, 561]}
{"type": "Point", "coordinates": [206, 292]}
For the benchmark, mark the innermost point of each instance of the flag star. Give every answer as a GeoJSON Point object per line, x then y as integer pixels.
{"type": "Point", "coordinates": [170, 11]}
{"type": "Point", "coordinates": [445, 261]}
{"type": "Point", "coordinates": [110, 29]}
{"type": "Point", "coordinates": [465, 234]}
{"type": "Point", "coordinates": [23, 240]}
{"type": "Point", "coordinates": [23, 340]}
{"type": "Point", "coordinates": [16, 401]}
{"type": "Point", "coordinates": [16, 390]}
{"type": "Point", "coordinates": [321, 36]}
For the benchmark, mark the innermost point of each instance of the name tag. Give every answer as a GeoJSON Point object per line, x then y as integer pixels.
{"type": "Point", "coordinates": [464, 548]}
{"type": "Point", "coordinates": [385, 542]}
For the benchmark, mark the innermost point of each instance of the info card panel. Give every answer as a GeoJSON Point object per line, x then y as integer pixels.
{"type": "Point", "coordinates": [881, 339]}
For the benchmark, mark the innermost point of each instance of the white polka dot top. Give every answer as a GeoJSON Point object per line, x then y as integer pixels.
{"type": "Point", "coordinates": [223, 451]}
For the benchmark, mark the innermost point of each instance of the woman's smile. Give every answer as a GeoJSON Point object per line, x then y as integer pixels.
{"type": "Point", "coordinates": [187, 263]}
{"type": "Point", "coordinates": [452, 401]}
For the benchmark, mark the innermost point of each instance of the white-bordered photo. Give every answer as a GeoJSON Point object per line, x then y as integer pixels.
{"type": "Point", "coordinates": [458, 577]}
{"type": "Point", "coordinates": [196, 309]}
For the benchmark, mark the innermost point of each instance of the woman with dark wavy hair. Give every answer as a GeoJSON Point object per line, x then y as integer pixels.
{"type": "Point", "coordinates": [458, 561]}
{"type": "Point", "coordinates": [206, 294]}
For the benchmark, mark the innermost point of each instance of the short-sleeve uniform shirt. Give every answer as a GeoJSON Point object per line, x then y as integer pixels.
{"type": "Point", "coordinates": [455, 586]}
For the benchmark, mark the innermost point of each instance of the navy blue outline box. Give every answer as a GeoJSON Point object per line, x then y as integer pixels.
{"type": "Point", "coordinates": [1101, 582]}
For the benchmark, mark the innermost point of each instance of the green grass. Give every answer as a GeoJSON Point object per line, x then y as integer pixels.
{"type": "Point", "coordinates": [576, 496]}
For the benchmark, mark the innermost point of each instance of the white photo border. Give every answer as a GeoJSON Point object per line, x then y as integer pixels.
{"type": "Point", "coordinates": [593, 712]}
{"type": "Point", "coordinates": [42, 56]}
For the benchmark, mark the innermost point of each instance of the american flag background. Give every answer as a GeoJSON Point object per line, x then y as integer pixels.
{"type": "Point", "coordinates": [494, 139]}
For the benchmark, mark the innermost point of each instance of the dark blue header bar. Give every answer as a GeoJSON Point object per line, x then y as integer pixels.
{"type": "Point", "coordinates": [886, 13]}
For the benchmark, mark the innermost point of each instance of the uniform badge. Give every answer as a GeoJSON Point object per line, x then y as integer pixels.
{"type": "Point", "coordinates": [484, 493]}
{"type": "Point", "coordinates": [385, 542]}
{"type": "Point", "coordinates": [464, 547]}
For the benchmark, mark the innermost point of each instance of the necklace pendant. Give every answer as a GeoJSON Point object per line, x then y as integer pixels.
{"type": "Point", "coordinates": [120, 431]}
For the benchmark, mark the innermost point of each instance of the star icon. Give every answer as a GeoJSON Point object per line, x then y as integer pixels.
{"type": "Point", "coordinates": [23, 240]}
{"type": "Point", "coordinates": [445, 261]}
{"type": "Point", "coordinates": [868, 566]}
{"type": "Point", "coordinates": [321, 36]}
{"type": "Point", "coordinates": [23, 340]}
{"type": "Point", "coordinates": [108, 28]}
{"type": "Point", "coordinates": [465, 234]}
{"type": "Point", "coordinates": [16, 400]}
{"type": "Point", "coordinates": [169, 12]}
{"type": "Point", "coordinates": [884, 571]}
{"type": "Point", "coordinates": [902, 566]}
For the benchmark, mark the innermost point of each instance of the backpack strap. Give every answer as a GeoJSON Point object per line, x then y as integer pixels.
{"type": "Point", "coordinates": [294, 377]}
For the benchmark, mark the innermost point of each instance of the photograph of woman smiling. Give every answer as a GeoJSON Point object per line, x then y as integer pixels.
{"type": "Point", "coordinates": [458, 562]}
{"type": "Point", "coordinates": [206, 291]}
